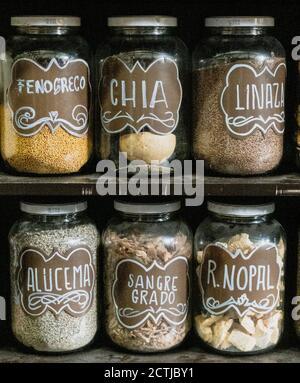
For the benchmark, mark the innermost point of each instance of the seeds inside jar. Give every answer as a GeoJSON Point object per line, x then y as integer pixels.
{"type": "Point", "coordinates": [252, 147]}
{"type": "Point", "coordinates": [46, 114]}
{"type": "Point", "coordinates": [54, 280]}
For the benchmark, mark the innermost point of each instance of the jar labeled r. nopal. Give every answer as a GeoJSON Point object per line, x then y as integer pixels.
{"type": "Point", "coordinates": [239, 289]}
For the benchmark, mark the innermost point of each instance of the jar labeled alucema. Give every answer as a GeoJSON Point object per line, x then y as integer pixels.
{"type": "Point", "coordinates": [54, 277]}
{"type": "Point", "coordinates": [148, 250]}
{"type": "Point", "coordinates": [238, 299]}
{"type": "Point", "coordinates": [239, 74]}
{"type": "Point", "coordinates": [142, 92]}
{"type": "Point", "coordinates": [46, 127]}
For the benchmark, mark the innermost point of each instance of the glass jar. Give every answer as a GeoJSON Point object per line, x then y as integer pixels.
{"type": "Point", "coordinates": [148, 249]}
{"type": "Point", "coordinates": [239, 74]}
{"type": "Point", "coordinates": [297, 117]}
{"type": "Point", "coordinates": [54, 277]}
{"type": "Point", "coordinates": [239, 289]}
{"type": "Point", "coordinates": [47, 110]}
{"type": "Point", "coordinates": [142, 101]}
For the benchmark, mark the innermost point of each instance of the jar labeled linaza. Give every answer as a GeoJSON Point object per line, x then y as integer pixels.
{"type": "Point", "coordinates": [239, 282]}
{"type": "Point", "coordinates": [148, 252]}
{"type": "Point", "coordinates": [54, 250]}
{"type": "Point", "coordinates": [142, 102]}
{"type": "Point", "coordinates": [46, 128]}
{"type": "Point", "coordinates": [239, 74]}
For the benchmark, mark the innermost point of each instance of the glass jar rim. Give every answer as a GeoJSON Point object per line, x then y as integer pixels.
{"type": "Point", "coordinates": [45, 21]}
{"type": "Point", "coordinates": [142, 21]}
{"type": "Point", "coordinates": [242, 211]}
{"type": "Point", "coordinates": [239, 21]}
{"type": "Point", "coordinates": [147, 208]}
{"type": "Point", "coordinates": [53, 209]}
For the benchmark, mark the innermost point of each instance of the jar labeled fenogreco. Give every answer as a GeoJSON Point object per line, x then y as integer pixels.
{"type": "Point", "coordinates": [239, 74]}
{"type": "Point", "coordinates": [148, 251]}
{"type": "Point", "coordinates": [239, 290]}
{"type": "Point", "coordinates": [142, 97]}
{"type": "Point", "coordinates": [54, 277]}
{"type": "Point", "coordinates": [46, 126]}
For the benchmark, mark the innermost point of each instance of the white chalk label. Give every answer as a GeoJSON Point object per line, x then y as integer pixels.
{"type": "Point", "coordinates": [153, 292]}
{"type": "Point", "coordinates": [52, 97]}
{"type": "Point", "coordinates": [59, 282]}
{"type": "Point", "coordinates": [140, 97]}
{"type": "Point", "coordinates": [240, 282]}
{"type": "Point", "coordinates": [254, 99]}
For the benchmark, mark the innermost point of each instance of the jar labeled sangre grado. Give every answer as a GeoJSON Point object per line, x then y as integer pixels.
{"type": "Point", "coordinates": [54, 277]}
{"type": "Point", "coordinates": [148, 251]}
{"type": "Point", "coordinates": [46, 128]}
{"type": "Point", "coordinates": [239, 74]}
{"type": "Point", "coordinates": [239, 283]}
{"type": "Point", "coordinates": [142, 102]}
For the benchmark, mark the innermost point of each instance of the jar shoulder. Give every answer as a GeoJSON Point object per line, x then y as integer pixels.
{"type": "Point", "coordinates": [211, 230]}
{"type": "Point", "coordinates": [70, 44]}
{"type": "Point", "coordinates": [171, 45]}
{"type": "Point", "coordinates": [144, 231]}
{"type": "Point", "coordinates": [27, 229]}
{"type": "Point", "coordinates": [215, 46]}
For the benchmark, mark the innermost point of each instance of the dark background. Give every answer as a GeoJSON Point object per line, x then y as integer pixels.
{"type": "Point", "coordinates": [191, 16]}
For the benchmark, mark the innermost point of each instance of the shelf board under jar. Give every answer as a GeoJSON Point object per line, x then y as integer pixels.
{"type": "Point", "coordinates": [109, 355]}
{"type": "Point", "coordinates": [85, 185]}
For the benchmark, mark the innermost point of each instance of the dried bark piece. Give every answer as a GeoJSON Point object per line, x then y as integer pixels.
{"type": "Point", "coordinates": [281, 248]}
{"type": "Point", "coordinates": [204, 331]}
{"type": "Point", "coordinates": [273, 321]}
{"type": "Point", "coordinates": [226, 343]}
{"type": "Point", "coordinates": [200, 256]}
{"type": "Point", "coordinates": [248, 324]}
{"type": "Point", "coordinates": [255, 331]}
{"type": "Point", "coordinates": [240, 242]}
{"type": "Point", "coordinates": [145, 248]}
{"type": "Point", "coordinates": [242, 341]}
{"type": "Point", "coordinates": [220, 331]}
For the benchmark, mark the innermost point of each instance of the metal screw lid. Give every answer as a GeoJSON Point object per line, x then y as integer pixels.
{"type": "Point", "coordinates": [147, 208]}
{"type": "Point", "coordinates": [53, 209]}
{"type": "Point", "coordinates": [142, 21]}
{"type": "Point", "coordinates": [45, 21]}
{"type": "Point", "coordinates": [240, 21]}
{"type": "Point", "coordinates": [240, 210]}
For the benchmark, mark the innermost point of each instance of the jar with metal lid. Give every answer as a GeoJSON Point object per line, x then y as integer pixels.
{"type": "Point", "coordinates": [297, 117]}
{"type": "Point", "coordinates": [239, 74]}
{"type": "Point", "coordinates": [148, 249]}
{"type": "Point", "coordinates": [239, 290]}
{"type": "Point", "coordinates": [142, 101]}
{"type": "Point", "coordinates": [54, 277]}
{"type": "Point", "coordinates": [295, 301]}
{"type": "Point", "coordinates": [47, 126]}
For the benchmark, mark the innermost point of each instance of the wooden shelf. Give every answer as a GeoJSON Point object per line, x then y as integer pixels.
{"type": "Point", "coordinates": [85, 185]}
{"type": "Point", "coordinates": [109, 355]}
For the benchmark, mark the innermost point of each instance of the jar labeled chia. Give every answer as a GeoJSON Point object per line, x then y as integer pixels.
{"type": "Point", "coordinates": [239, 282]}
{"type": "Point", "coordinates": [47, 127]}
{"type": "Point", "coordinates": [148, 250]}
{"type": "Point", "coordinates": [54, 277]}
{"type": "Point", "coordinates": [239, 74]}
{"type": "Point", "coordinates": [142, 100]}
